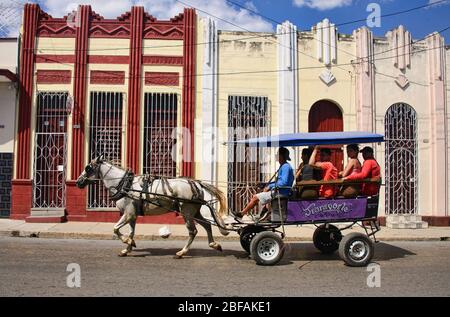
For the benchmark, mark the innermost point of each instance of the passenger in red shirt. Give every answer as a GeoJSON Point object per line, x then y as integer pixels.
{"type": "Point", "coordinates": [370, 169]}
{"type": "Point", "coordinates": [329, 172]}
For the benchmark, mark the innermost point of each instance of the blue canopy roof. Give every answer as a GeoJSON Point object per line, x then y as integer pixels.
{"type": "Point", "coordinates": [312, 138]}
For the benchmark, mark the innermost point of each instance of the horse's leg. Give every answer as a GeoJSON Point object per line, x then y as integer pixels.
{"type": "Point", "coordinates": [122, 222]}
{"type": "Point", "coordinates": [132, 232]}
{"type": "Point", "coordinates": [203, 222]}
{"type": "Point", "coordinates": [130, 212]}
{"type": "Point", "coordinates": [190, 225]}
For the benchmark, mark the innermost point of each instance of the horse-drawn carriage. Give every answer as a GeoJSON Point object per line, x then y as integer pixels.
{"type": "Point", "coordinates": [263, 240]}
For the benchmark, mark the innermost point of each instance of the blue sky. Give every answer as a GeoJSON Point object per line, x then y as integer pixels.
{"type": "Point", "coordinates": [419, 22]}
{"type": "Point", "coordinates": [303, 13]}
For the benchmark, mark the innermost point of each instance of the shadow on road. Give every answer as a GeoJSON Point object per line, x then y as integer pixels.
{"type": "Point", "coordinates": [304, 251]}
{"type": "Point", "coordinates": [307, 252]}
{"type": "Point", "coordinates": [192, 252]}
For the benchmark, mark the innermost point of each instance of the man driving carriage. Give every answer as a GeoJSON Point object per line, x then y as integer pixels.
{"type": "Point", "coordinates": [284, 180]}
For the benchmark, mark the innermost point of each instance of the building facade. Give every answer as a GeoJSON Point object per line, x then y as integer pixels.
{"type": "Point", "coordinates": [161, 97]}
{"type": "Point", "coordinates": [8, 99]}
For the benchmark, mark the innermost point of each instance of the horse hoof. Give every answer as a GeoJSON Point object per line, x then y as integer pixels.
{"type": "Point", "coordinates": [123, 253]}
{"type": "Point", "coordinates": [176, 256]}
{"type": "Point", "coordinates": [216, 246]}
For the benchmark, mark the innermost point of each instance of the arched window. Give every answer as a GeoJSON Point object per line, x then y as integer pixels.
{"type": "Point", "coordinates": [401, 159]}
{"type": "Point", "coordinates": [326, 116]}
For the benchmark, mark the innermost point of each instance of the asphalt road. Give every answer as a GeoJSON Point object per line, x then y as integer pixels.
{"type": "Point", "coordinates": [37, 267]}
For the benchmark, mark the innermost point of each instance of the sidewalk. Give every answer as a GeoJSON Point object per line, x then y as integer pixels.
{"type": "Point", "coordinates": [104, 230]}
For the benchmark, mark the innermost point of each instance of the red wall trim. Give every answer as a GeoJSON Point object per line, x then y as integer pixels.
{"type": "Point", "coordinates": [107, 77]}
{"type": "Point", "coordinates": [108, 59]}
{"type": "Point", "coordinates": [79, 91]}
{"type": "Point", "coordinates": [134, 89]}
{"type": "Point", "coordinates": [52, 76]}
{"type": "Point", "coordinates": [189, 41]}
{"type": "Point", "coordinates": [166, 32]}
{"type": "Point", "coordinates": [48, 59]}
{"type": "Point", "coordinates": [21, 197]}
{"type": "Point", "coordinates": [92, 59]}
{"type": "Point", "coordinates": [8, 74]}
{"type": "Point", "coordinates": [162, 78]}
{"type": "Point", "coordinates": [162, 60]}
{"type": "Point", "coordinates": [54, 27]}
{"type": "Point", "coordinates": [30, 22]}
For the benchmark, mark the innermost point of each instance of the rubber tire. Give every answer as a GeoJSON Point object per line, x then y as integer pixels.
{"type": "Point", "coordinates": [246, 236]}
{"type": "Point", "coordinates": [262, 237]}
{"type": "Point", "coordinates": [344, 249]}
{"type": "Point", "coordinates": [328, 246]}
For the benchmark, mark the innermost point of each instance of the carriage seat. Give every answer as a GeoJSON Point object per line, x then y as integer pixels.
{"type": "Point", "coordinates": [279, 205]}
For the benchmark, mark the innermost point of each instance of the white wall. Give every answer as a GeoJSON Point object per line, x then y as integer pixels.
{"type": "Point", "coordinates": [8, 60]}
{"type": "Point", "coordinates": [387, 93]}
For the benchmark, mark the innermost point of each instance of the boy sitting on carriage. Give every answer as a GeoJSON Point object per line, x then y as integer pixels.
{"type": "Point", "coordinates": [284, 180]}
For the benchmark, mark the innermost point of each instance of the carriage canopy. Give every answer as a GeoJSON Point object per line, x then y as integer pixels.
{"type": "Point", "coordinates": [312, 138]}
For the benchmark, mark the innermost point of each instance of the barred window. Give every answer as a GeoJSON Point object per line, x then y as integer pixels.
{"type": "Point", "coordinates": [160, 121]}
{"type": "Point", "coordinates": [105, 138]}
{"type": "Point", "coordinates": [50, 150]}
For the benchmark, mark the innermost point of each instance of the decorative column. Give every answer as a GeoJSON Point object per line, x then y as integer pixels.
{"type": "Point", "coordinates": [188, 112]}
{"type": "Point", "coordinates": [79, 90]}
{"type": "Point", "coordinates": [75, 197]}
{"type": "Point", "coordinates": [326, 50]}
{"type": "Point", "coordinates": [134, 89]}
{"type": "Point", "coordinates": [288, 103]}
{"type": "Point", "coordinates": [21, 191]}
{"type": "Point", "coordinates": [438, 124]}
{"type": "Point", "coordinates": [209, 102]}
{"type": "Point", "coordinates": [364, 79]}
{"type": "Point", "coordinates": [326, 42]}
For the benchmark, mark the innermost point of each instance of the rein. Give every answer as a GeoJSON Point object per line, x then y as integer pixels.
{"type": "Point", "coordinates": [122, 188]}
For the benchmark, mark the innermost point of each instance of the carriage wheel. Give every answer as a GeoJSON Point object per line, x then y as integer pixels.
{"type": "Point", "coordinates": [267, 248]}
{"type": "Point", "coordinates": [326, 240]}
{"type": "Point", "coordinates": [356, 249]}
{"type": "Point", "coordinates": [246, 236]}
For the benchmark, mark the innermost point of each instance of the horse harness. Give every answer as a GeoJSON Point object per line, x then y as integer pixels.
{"type": "Point", "coordinates": [123, 187]}
{"type": "Point", "coordinates": [168, 192]}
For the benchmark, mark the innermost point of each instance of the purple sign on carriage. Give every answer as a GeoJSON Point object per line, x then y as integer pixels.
{"type": "Point", "coordinates": [327, 209]}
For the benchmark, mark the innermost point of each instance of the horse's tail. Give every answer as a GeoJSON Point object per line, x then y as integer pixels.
{"type": "Point", "coordinates": [223, 210]}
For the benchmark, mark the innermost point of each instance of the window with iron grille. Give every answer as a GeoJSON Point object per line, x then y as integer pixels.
{"type": "Point", "coordinates": [50, 150]}
{"type": "Point", "coordinates": [160, 122]}
{"type": "Point", "coordinates": [247, 166]}
{"type": "Point", "coordinates": [401, 159]}
{"type": "Point", "coordinates": [105, 137]}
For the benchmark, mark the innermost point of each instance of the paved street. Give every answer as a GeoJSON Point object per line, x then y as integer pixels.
{"type": "Point", "coordinates": [37, 267]}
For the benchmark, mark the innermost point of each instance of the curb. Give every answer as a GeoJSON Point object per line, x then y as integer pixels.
{"type": "Point", "coordinates": [153, 237]}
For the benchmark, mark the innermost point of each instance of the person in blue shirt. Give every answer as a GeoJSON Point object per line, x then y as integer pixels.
{"type": "Point", "coordinates": [284, 180]}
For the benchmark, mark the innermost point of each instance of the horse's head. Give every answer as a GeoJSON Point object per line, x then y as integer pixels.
{"type": "Point", "coordinates": [90, 173]}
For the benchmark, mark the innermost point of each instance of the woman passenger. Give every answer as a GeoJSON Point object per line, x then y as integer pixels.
{"type": "Point", "coordinates": [353, 166]}
{"type": "Point", "coordinates": [306, 172]}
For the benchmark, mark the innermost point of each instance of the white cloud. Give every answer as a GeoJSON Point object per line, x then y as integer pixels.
{"type": "Point", "coordinates": [165, 9]}
{"type": "Point", "coordinates": [322, 4]}
{"type": "Point", "coordinates": [437, 4]}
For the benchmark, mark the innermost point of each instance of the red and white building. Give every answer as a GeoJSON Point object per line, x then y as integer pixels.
{"type": "Point", "coordinates": [91, 85]}
{"type": "Point", "coordinates": [85, 83]}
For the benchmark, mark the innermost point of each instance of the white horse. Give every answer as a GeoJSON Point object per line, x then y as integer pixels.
{"type": "Point", "coordinates": [133, 194]}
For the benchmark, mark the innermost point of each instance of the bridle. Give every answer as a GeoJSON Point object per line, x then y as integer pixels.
{"type": "Point", "coordinates": [121, 189]}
